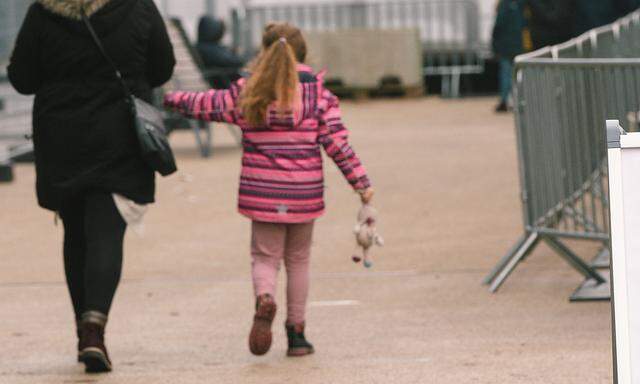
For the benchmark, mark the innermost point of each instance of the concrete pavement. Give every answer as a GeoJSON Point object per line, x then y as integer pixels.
{"type": "Point", "coordinates": [447, 188]}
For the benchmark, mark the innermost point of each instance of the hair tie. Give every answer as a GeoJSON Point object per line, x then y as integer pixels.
{"type": "Point", "coordinates": [283, 40]}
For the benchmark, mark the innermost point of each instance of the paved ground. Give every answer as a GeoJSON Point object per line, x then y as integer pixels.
{"type": "Point", "coordinates": [446, 177]}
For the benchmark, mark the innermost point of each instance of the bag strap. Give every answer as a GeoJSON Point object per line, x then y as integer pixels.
{"type": "Point", "coordinates": [113, 65]}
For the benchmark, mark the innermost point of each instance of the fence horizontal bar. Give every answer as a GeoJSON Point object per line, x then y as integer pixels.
{"type": "Point", "coordinates": [570, 235]}
{"type": "Point", "coordinates": [577, 62]}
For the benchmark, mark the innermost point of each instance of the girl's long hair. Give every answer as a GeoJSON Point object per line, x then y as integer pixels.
{"type": "Point", "coordinates": [274, 75]}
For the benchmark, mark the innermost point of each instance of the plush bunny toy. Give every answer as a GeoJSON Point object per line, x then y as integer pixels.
{"type": "Point", "coordinates": [366, 234]}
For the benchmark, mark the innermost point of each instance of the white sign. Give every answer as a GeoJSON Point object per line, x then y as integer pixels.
{"type": "Point", "coordinates": [624, 195]}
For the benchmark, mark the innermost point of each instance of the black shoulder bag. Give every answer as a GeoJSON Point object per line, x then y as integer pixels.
{"type": "Point", "coordinates": [148, 121]}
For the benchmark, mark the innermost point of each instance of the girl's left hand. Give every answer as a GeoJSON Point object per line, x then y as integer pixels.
{"type": "Point", "coordinates": [367, 195]}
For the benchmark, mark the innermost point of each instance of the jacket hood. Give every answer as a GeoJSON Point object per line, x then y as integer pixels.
{"type": "Point", "coordinates": [72, 8]}
{"type": "Point", "coordinates": [210, 30]}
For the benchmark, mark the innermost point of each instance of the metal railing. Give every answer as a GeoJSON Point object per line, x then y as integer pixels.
{"type": "Point", "coordinates": [564, 94]}
{"type": "Point", "coordinates": [449, 29]}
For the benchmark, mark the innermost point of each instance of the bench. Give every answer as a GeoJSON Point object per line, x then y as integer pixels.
{"type": "Point", "coordinates": [189, 75]}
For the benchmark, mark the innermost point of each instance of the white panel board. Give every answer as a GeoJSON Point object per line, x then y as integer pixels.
{"type": "Point", "coordinates": [631, 193]}
{"type": "Point", "coordinates": [624, 190]}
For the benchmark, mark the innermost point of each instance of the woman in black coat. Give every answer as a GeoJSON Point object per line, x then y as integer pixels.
{"type": "Point", "coordinates": [88, 166]}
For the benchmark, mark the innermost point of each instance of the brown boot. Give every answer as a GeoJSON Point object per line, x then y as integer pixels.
{"type": "Point", "coordinates": [260, 336]}
{"type": "Point", "coordinates": [93, 352]}
{"type": "Point", "coordinates": [298, 344]}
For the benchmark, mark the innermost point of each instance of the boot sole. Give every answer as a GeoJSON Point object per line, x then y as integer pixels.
{"type": "Point", "coordinates": [95, 361]}
{"type": "Point", "coordinates": [260, 337]}
{"type": "Point", "coordinates": [298, 352]}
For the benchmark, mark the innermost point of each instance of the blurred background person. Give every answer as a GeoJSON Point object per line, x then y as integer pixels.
{"type": "Point", "coordinates": [222, 64]}
{"type": "Point", "coordinates": [591, 14]}
{"type": "Point", "coordinates": [551, 21]}
{"type": "Point", "coordinates": [626, 6]}
{"type": "Point", "coordinates": [510, 38]}
{"type": "Point", "coordinates": [557, 21]}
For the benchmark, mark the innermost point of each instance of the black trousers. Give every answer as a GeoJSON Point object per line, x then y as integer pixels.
{"type": "Point", "coordinates": [93, 237]}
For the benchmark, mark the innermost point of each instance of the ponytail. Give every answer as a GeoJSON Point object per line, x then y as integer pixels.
{"type": "Point", "coordinates": [274, 81]}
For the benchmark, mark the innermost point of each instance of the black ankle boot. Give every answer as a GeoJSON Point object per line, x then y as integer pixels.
{"type": "Point", "coordinates": [93, 352]}
{"type": "Point", "coordinates": [298, 344]}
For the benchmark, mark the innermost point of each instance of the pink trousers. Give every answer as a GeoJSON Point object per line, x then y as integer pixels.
{"type": "Point", "coordinates": [270, 244]}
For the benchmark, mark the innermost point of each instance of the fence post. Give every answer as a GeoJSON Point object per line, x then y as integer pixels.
{"type": "Point", "coordinates": [210, 7]}
{"type": "Point", "coordinates": [236, 31]}
{"type": "Point", "coordinates": [358, 14]}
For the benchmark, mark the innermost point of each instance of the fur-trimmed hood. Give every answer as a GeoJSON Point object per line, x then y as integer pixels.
{"type": "Point", "coordinates": [72, 8]}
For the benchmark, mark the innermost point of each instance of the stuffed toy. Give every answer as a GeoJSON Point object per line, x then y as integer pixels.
{"type": "Point", "coordinates": [366, 234]}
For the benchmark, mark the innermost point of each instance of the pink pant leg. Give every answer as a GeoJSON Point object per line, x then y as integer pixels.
{"type": "Point", "coordinates": [297, 253]}
{"type": "Point", "coordinates": [267, 250]}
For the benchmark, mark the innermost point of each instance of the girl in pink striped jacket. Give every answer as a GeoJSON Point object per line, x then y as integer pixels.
{"type": "Point", "coordinates": [285, 114]}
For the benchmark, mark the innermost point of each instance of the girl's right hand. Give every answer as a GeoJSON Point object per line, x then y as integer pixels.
{"type": "Point", "coordinates": [366, 195]}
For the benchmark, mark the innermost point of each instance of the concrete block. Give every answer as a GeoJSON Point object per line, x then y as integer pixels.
{"type": "Point", "coordinates": [361, 58]}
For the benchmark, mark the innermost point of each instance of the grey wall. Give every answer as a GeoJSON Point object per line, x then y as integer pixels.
{"type": "Point", "coordinates": [11, 15]}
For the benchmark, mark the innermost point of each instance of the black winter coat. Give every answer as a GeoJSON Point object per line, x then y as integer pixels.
{"type": "Point", "coordinates": [82, 127]}
{"type": "Point", "coordinates": [506, 39]}
{"type": "Point", "coordinates": [552, 21]}
{"type": "Point", "coordinates": [591, 14]}
{"type": "Point", "coordinates": [626, 6]}
{"type": "Point", "coordinates": [213, 53]}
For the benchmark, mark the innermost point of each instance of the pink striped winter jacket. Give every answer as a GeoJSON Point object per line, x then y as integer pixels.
{"type": "Point", "coordinates": [282, 174]}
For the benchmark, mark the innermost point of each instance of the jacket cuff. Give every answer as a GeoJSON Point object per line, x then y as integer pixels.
{"type": "Point", "coordinates": [362, 183]}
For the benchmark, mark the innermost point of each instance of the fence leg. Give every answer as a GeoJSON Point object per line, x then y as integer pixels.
{"type": "Point", "coordinates": [445, 92]}
{"type": "Point", "coordinates": [514, 258]}
{"type": "Point", "coordinates": [208, 139]}
{"type": "Point", "coordinates": [503, 262]}
{"type": "Point", "coordinates": [574, 260]}
{"type": "Point", "coordinates": [603, 259]}
{"type": "Point", "coordinates": [455, 85]}
{"type": "Point", "coordinates": [203, 145]}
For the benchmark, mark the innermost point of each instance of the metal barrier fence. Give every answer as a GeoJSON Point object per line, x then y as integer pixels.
{"type": "Point", "coordinates": [449, 29]}
{"type": "Point", "coordinates": [564, 94]}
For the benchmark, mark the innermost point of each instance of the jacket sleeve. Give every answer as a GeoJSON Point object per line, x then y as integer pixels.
{"type": "Point", "coordinates": [217, 105]}
{"type": "Point", "coordinates": [161, 59]}
{"type": "Point", "coordinates": [334, 137]}
{"type": "Point", "coordinates": [24, 66]}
